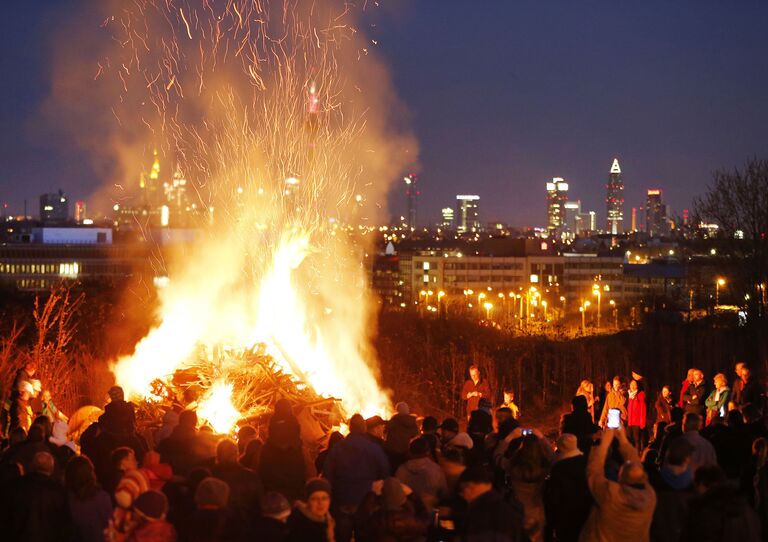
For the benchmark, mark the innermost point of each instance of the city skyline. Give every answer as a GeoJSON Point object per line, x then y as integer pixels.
{"type": "Point", "coordinates": [523, 109]}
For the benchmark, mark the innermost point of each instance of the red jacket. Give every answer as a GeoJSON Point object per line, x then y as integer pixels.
{"type": "Point", "coordinates": [636, 410]}
{"type": "Point", "coordinates": [684, 387]}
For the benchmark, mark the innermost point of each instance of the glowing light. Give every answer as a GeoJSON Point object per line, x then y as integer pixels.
{"type": "Point", "coordinates": [217, 409]}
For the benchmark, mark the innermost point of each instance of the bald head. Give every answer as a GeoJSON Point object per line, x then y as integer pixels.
{"type": "Point", "coordinates": [632, 473]}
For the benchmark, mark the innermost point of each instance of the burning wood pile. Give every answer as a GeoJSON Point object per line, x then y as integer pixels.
{"type": "Point", "coordinates": [229, 388]}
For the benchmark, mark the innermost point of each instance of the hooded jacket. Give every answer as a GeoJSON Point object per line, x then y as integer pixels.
{"type": "Point", "coordinates": [621, 512]}
{"type": "Point", "coordinates": [401, 428]}
{"type": "Point", "coordinates": [424, 477]}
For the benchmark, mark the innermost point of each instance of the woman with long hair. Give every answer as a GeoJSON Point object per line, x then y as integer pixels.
{"type": "Point", "coordinates": [588, 390]}
{"type": "Point", "coordinates": [90, 505]}
{"type": "Point", "coordinates": [526, 470]}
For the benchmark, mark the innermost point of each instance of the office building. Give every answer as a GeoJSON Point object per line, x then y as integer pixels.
{"type": "Point", "coordinates": [467, 213]}
{"type": "Point", "coordinates": [655, 214]}
{"type": "Point", "coordinates": [614, 200]}
{"type": "Point", "coordinates": [448, 216]}
{"type": "Point", "coordinates": [557, 197]}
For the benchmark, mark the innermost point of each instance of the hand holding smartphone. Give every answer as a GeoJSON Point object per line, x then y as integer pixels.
{"type": "Point", "coordinates": [614, 418]}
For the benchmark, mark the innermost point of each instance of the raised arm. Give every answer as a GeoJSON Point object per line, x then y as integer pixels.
{"type": "Point", "coordinates": [598, 483]}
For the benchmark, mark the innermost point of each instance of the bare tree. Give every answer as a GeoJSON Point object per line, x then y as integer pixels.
{"type": "Point", "coordinates": [737, 201]}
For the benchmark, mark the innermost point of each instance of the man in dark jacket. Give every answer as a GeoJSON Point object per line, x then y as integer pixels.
{"type": "Point", "coordinates": [184, 449]}
{"type": "Point", "coordinates": [674, 488]}
{"type": "Point", "coordinates": [695, 395]}
{"type": "Point", "coordinates": [39, 509]}
{"type": "Point", "coordinates": [567, 500]}
{"type": "Point", "coordinates": [401, 428]}
{"type": "Point", "coordinates": [282, 465]}
{"type": "Point", "coordinates": [719, 513]}
{"type": "Point", "coordinates": [750, 390]}
{"type": "Point", "coordinates": [489, 516]}
{"type": "Point", "coordinates": [474, 389]}
{"type": "Point", "coordinates": [579, 422]}
{"type": "Point", "coordinates": [351, 467]}
{"type": "Point", "coordinates": [244, 484]}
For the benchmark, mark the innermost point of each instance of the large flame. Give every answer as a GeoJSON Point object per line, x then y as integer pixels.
{"type": "Point", "coordinates": [274, 113]}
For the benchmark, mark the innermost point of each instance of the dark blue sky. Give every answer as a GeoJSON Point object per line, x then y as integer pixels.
{"type": "Point", "coordinates": [503, 96]}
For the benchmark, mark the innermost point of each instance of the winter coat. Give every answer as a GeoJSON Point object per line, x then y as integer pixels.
{"type": "Point", "coordinates": [694, 397]}
{"type": "Point", "coordinates": [614, 399]}
{"type": "Point", "coordinates": [184, 450]}
{"type": "Point", "coordinates": [283, 469]}
{"type": "Point", "coordinates": [401, 428]}
{"type": "Point", "coordinates": [636, 410]}
{"type": "Point", "coordinates": [673, 491]}
{"type": "Point", "coordinates": [406, 524]}
{"type": "Point", "coordinates": [20, 414]}
{"type": "Point", "coordinates": [304, 528]}
{"type": "Point", "coordinates": [717, 403]}
{"type": "Point", "coordinates": [621, 513]}
{"type": "Point", "coordinates": [352, 466]}
{"type": "Point", "coordinates": [721, 515]}
{"type": "Point", "coordinates": [491, 517]}
{"type": "Point", "coordinates": [663, 409]}
{"type": "Point", "coordinates": [751, 394]}
{"type": "Point", "coordinates": [567, 500]}
{"type": "Point", "coordinates": [90, 516]}
{"type": "Point", "coordinates": [425, 478]}
{"type": "Point", "coordinates": [37, 512]}
{"type": "Point", "coordinates": [245, 490]}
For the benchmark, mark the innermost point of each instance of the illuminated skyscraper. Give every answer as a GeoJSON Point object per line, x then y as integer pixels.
{"type": "Point", "coordinates": [412, 192]}
{"type": "Point", "coordinates": [557, 197]}
{"type": "Point", "coordinates": [572, 218]}
{"type": "Point", "coordinates": [655, 214]}
{"type": "Point", "coordinates": [614, 200]}
{"type": "Point", "coordinates": [448, 219]}
{"type": "Point", "coordinates": [467, 213]}
{"type": "Point", "coordinates": [80, 212]}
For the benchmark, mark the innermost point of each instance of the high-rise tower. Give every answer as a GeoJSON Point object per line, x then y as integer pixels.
{"type": "Point", "coordinates": [655, 214]}
{"type": "Point", "coordinates": [557, 197]}
{"type": "Point", "coordinates": [412, 192]}
{"type": "Point", "coordinates": [467, 214]}
{"type": "Point", "coordinates": [614, 200]}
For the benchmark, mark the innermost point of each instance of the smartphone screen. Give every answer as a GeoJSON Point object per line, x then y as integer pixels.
{"type": "Point", "coordinates": [614, 418]}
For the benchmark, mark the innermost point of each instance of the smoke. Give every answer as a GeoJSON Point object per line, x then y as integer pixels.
{"type": "Point", "coordinates": [284, 121]}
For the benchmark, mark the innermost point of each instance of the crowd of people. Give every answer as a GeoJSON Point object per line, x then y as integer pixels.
{"type": "Point", "coordinates": [701, 473]}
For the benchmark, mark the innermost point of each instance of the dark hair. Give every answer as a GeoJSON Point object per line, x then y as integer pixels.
{"type": "Point", "coordinates": [475, 475]}
{"type": "Point", "coordinates": [197, 475]}
{"type": "Point", "coordinates": [80, 478]}
{"type": "Point", "coordinates": [16, 436]}
{"type": "Point", "coordinates": [46, 424]}
{"type": "Point", "coordinates": [252, 454]}
{"type": "Point", "coordinates": [429, 423]}
{"type": "Point", "coordinates": [528, 463]}
{"type": "Point", "coordinates": [676, 414]}
{"type": "Point", "coordinates": [453, 455]}
{"type": "Point", "coordinates": [734, 418]}
{"type": "Point", "coordinates": [678, 452]}
{"type": "Point", "coordinates": [244, 435]}
{"type": "Point", "coordinates": [118, 454]}
{"type": "Point", "coordinates": [503, 410]}
{"type": "Point", "coordinates": [579, 403]}
{"type": "Point", "coordinates": [419, 447]}
{"type": "Point", "coordinates": [506, 427]}
{"type": "Point", "coordinates": [36, 433]}
{"type": "Point", "coordinates": [357, 424]}
{"type": "Point", "coordinates": [708, 476]}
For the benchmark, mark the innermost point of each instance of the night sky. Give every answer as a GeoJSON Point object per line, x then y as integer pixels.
{"type": "Point", "coordinates": [503, 96]}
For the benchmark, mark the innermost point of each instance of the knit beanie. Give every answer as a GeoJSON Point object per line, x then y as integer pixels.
{"type": "Point", "coordinates": [130, 486]}
{"type": "Point", "coordinates": [275, 505]}
{"type": "Point", "coordinates": [212, 492]}
{"type": "Point", "coordinates": [402, 408]}
{"type": "Point", "coordinates": [316, 484]}
{"type": "Point", "coordinates": [151, 505]}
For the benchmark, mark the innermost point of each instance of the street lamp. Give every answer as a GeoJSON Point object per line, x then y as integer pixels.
{"type": "Point", "coordinates": [718, 283]}
{"type": "Point", "coordinates": [562, 300]}
{"type": "Point", "coordinates": [615, 314]}
{"type": "Point", "coordinates": [440, 296]}
{"type": "Point", "coordinates": [596, 291]}
{"type": "Point", "coordinates": [544, 304]}
{"type": "Point", "coordinates": [488, 306]}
